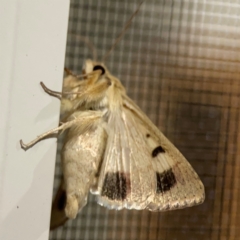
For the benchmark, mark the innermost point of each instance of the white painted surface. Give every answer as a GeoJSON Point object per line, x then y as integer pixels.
{"type": "Point", "coordinates": [32, 49]}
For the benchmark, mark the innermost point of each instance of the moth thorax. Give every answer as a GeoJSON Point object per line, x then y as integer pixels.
{"type": "Point", "coordinates": [98, 105]}
{"type": "Point", "coordinates": [115, 98]}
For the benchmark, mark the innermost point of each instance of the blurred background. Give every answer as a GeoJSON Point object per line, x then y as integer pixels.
{"type": "Point", "coordinates": [179, 61]}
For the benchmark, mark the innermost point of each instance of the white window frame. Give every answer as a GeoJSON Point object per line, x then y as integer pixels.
{"type": "Point", "coordinates": [32, 49]}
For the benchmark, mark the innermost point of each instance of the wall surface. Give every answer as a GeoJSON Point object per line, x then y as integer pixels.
{"type": "Point", "coordinates": [32, 49]}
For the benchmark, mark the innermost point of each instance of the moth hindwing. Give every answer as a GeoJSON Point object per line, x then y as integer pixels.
{"type": "Point", "coordinates": [113, 150]}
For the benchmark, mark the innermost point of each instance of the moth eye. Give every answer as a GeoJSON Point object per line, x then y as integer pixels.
{"type": "Point", "coordinates": [99, 67]}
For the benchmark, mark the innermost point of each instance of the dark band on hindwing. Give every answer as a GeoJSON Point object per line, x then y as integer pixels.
{"type": "Point", "coordinates": [115, 186]}
{"type": "Point", "coordinates": [165, 181]}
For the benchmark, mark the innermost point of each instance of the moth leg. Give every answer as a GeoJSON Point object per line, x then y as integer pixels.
{"type": "Point", "coordinates": [66, 104]}
{"type": "Point", "coordinates": [41, 137]}
{"type": "Point", "coordinates": [64, 126]}
{"type": "Point", "coordinates": [55, 93]}
{"type": "Point", "coordinates": [51, 92]}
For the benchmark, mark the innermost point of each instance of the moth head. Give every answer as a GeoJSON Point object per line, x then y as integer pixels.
{"type": "Point", "coordinates": [91, 66]}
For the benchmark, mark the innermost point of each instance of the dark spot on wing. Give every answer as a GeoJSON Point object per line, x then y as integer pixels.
{"type": "Point", "coordinates": [62, 201]}
{"type": "Point", "coordinates": [115, 186]}
{"type": "Point", "coordinates": [147, 135]}
{"type": "Point", "coordinates": [99, 67]}
{"type": "Point", "coordinates": [165, 181]}
{"type": "Point", "coordinates": [157, 150]}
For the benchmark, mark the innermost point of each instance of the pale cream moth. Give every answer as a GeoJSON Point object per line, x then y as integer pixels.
{"type": "Point", "coordinates": [113, 150]}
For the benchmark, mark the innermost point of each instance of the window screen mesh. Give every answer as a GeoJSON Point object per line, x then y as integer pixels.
{"type": "Point", "coordinates": [179, 61]}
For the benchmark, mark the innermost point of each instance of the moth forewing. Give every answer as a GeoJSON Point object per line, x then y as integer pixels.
{"type": "Point", "coordinates": [173, 172]}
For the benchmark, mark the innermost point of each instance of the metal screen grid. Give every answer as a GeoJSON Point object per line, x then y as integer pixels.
{"type": "Point", "coordinates": [179, 61]}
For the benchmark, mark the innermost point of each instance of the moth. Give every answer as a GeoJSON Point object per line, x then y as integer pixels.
{"type": "Point", "coordinates": [113, 150]}
{"type": "Point", "coordinates": [116, 152]}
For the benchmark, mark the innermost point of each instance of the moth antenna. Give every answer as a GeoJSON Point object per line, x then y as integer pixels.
{"type": "Point", "coordinates": [122, 32]}
{"type": "Point", "coordinates": [88, 43]}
